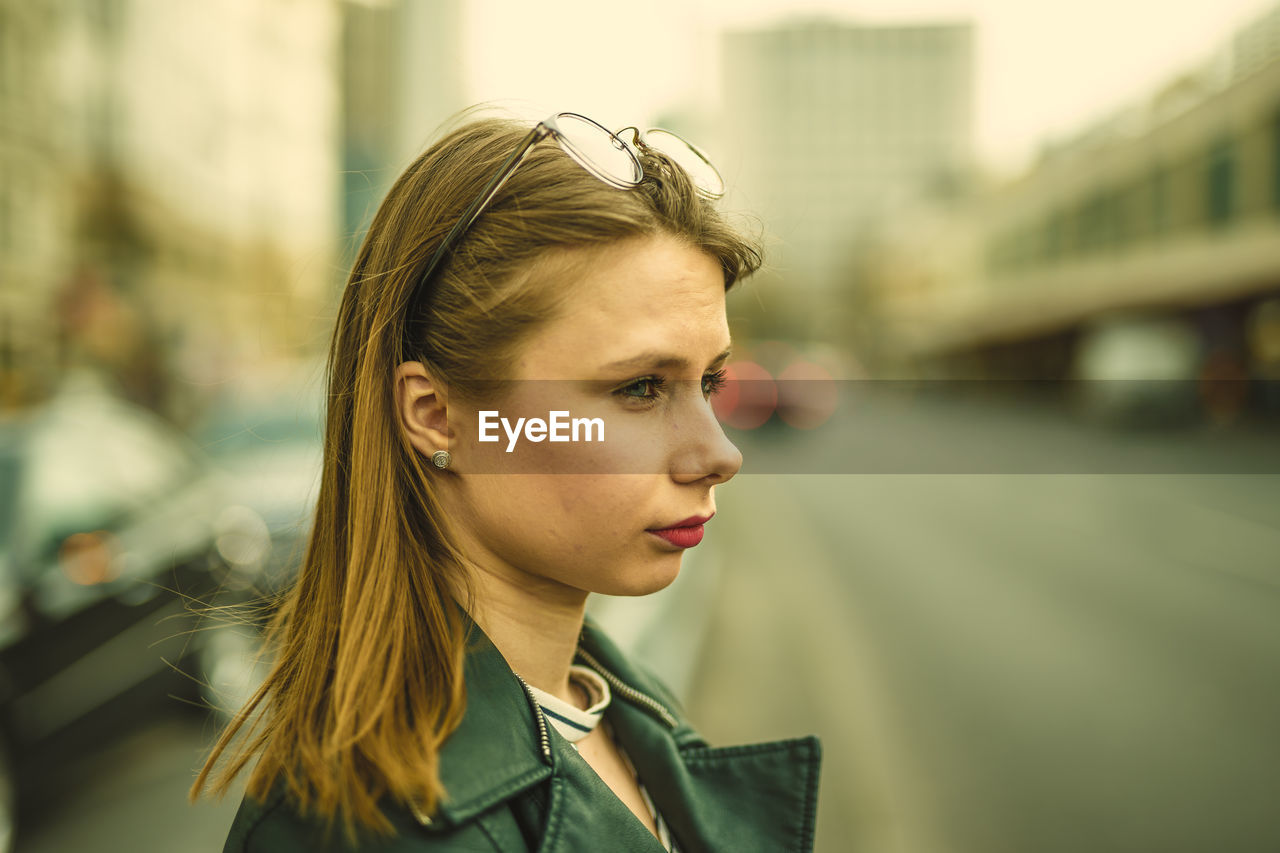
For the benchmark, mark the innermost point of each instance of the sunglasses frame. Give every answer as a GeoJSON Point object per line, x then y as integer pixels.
{"type": "Point", "coordinates": [543, 129]}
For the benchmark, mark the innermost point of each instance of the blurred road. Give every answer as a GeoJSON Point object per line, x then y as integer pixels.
{"type": "Point", "coordinates": [130, 796]}
{"type": "Point", "coordinates": [1015, 662]}
{"type": "Point", "coordinates": [1009, 662]}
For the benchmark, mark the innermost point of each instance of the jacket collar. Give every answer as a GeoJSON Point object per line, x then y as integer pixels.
{"type": "Point", "coordinates": [758, 797]}
{"type": "Point", "coordinates": [500, 747]}
{"type": "Point", "coordinates": [503, 745]}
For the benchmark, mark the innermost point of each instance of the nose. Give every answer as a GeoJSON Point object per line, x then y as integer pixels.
{"type": "Point", "coordinates": [703, 451]}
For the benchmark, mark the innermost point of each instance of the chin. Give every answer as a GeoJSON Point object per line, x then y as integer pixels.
{"type": "Point", "coordinates": [646, 579]}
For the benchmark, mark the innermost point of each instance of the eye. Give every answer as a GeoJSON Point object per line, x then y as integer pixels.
{"type": "Point", "coordinates": [713, 383]}
{"type": "Point", "coordinates": [645, 388]}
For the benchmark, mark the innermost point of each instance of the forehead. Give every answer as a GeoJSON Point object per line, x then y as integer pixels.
{"type": "Point", "coordinates": [645, 294]}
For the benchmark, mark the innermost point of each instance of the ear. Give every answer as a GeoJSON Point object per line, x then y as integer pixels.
{"type": "Point", "coordinates": [422, 405]}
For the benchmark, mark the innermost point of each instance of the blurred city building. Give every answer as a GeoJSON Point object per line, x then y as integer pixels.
{"type": "Point", "coordinates": [1168, 209]}
{"type": "Point", "coordinates": [826, 122]}
{"type": "Point", "coordinates": [168, 188]}
{"type": "Point", "coordinates": [401, 78]}
{"type": "Point", "coordinates": [33, 241]}
{"type": "Point", "coordinates": [1256, 44]}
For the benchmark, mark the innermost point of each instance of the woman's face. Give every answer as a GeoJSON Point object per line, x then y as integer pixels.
{"type": "Point", "coordinates": [638, 348]}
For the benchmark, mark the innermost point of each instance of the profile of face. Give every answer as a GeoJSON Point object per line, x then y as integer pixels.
{"type": "Point", "coordinates": [638, 348]}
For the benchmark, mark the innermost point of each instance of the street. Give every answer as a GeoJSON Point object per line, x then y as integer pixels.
{"type": "Point", "coordinates": [131, 795]}
{"type": "Point", "coordinates": [994, 662]}
{"type": "Point", "coordinates": [1009, 662]}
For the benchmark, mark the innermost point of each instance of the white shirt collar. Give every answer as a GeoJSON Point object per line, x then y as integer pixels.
{"type": "Point", "coordinates": [569, 720]}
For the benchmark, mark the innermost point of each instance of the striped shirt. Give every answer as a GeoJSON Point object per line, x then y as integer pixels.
{"type": "Point", "coordinates": [573, 724]}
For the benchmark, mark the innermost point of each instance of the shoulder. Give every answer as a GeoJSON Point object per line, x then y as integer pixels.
{"type": "Point", "coordinates": [274, 825]}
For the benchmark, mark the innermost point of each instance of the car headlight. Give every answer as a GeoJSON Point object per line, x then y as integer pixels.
{"type": "Point", "coordinates": [242, 539]}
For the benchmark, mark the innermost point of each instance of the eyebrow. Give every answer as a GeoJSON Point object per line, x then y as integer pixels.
{"type": "Point", "coordinates": [663, 360]}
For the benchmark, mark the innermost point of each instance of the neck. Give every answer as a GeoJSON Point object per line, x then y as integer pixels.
{"type": "Point", "coordinates": [534, 622]}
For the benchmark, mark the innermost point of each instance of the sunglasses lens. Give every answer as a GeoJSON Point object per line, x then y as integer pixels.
{"type": "Point", "coordinates": [598, 150]}
{"type": "Point", "coordinates": [704, 175]}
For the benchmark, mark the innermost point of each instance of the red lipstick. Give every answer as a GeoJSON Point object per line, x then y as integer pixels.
{"type": "Point", "coordinates": [683, 534]}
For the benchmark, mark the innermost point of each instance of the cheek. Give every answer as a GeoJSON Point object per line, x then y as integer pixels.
{"type": "Point", "coordinates": [611, 502]}
{"type": "Point", "coordinates": [576, 528]}
{"type": "Point", "coordinates": [584, 509]}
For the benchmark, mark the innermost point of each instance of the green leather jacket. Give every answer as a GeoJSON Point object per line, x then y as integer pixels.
{"type": "Point", "coordinates": [514, 784]}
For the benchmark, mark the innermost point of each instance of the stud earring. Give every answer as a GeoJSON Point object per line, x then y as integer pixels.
{"type": "Point", "coordinates": [441, 459]}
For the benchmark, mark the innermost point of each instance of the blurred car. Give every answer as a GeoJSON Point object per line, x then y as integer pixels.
{"type": "Point", "coordinates": [267, 436]}
{"type": "Point", "coordinates": [1138, 371]}
{"type": "Point", "coordinates": [114, 532]}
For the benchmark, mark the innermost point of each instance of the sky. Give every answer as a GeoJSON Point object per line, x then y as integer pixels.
{"type": "Point", "coordinates": [1043, 68]}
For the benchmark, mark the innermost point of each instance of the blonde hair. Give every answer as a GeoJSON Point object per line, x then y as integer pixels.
{"type": "Point", "coordinates": [368, 648]}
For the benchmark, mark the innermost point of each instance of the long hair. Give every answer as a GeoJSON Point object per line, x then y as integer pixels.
{"type": "Point", "coordinates": [368, 648]}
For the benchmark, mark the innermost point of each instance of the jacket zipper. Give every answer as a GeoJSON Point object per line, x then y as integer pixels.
{"type": "Point", "coordinates": [630, 692]}
{"type": "Point", "coordinates": [542, 720]}
{"type": "Point", "coordinates": [545, 742]}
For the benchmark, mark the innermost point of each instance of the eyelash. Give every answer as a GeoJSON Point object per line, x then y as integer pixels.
{"type": "Point", "coordinates": [712, 382]}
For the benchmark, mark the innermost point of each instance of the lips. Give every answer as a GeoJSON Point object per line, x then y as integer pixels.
{"type": "Point", "coordinates": [691, 521]}
{"type": "Point", "coordinates": [683, 534]}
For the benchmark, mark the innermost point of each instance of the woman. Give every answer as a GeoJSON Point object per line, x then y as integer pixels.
{"type": "Point", "coordinates": [519, 415]}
